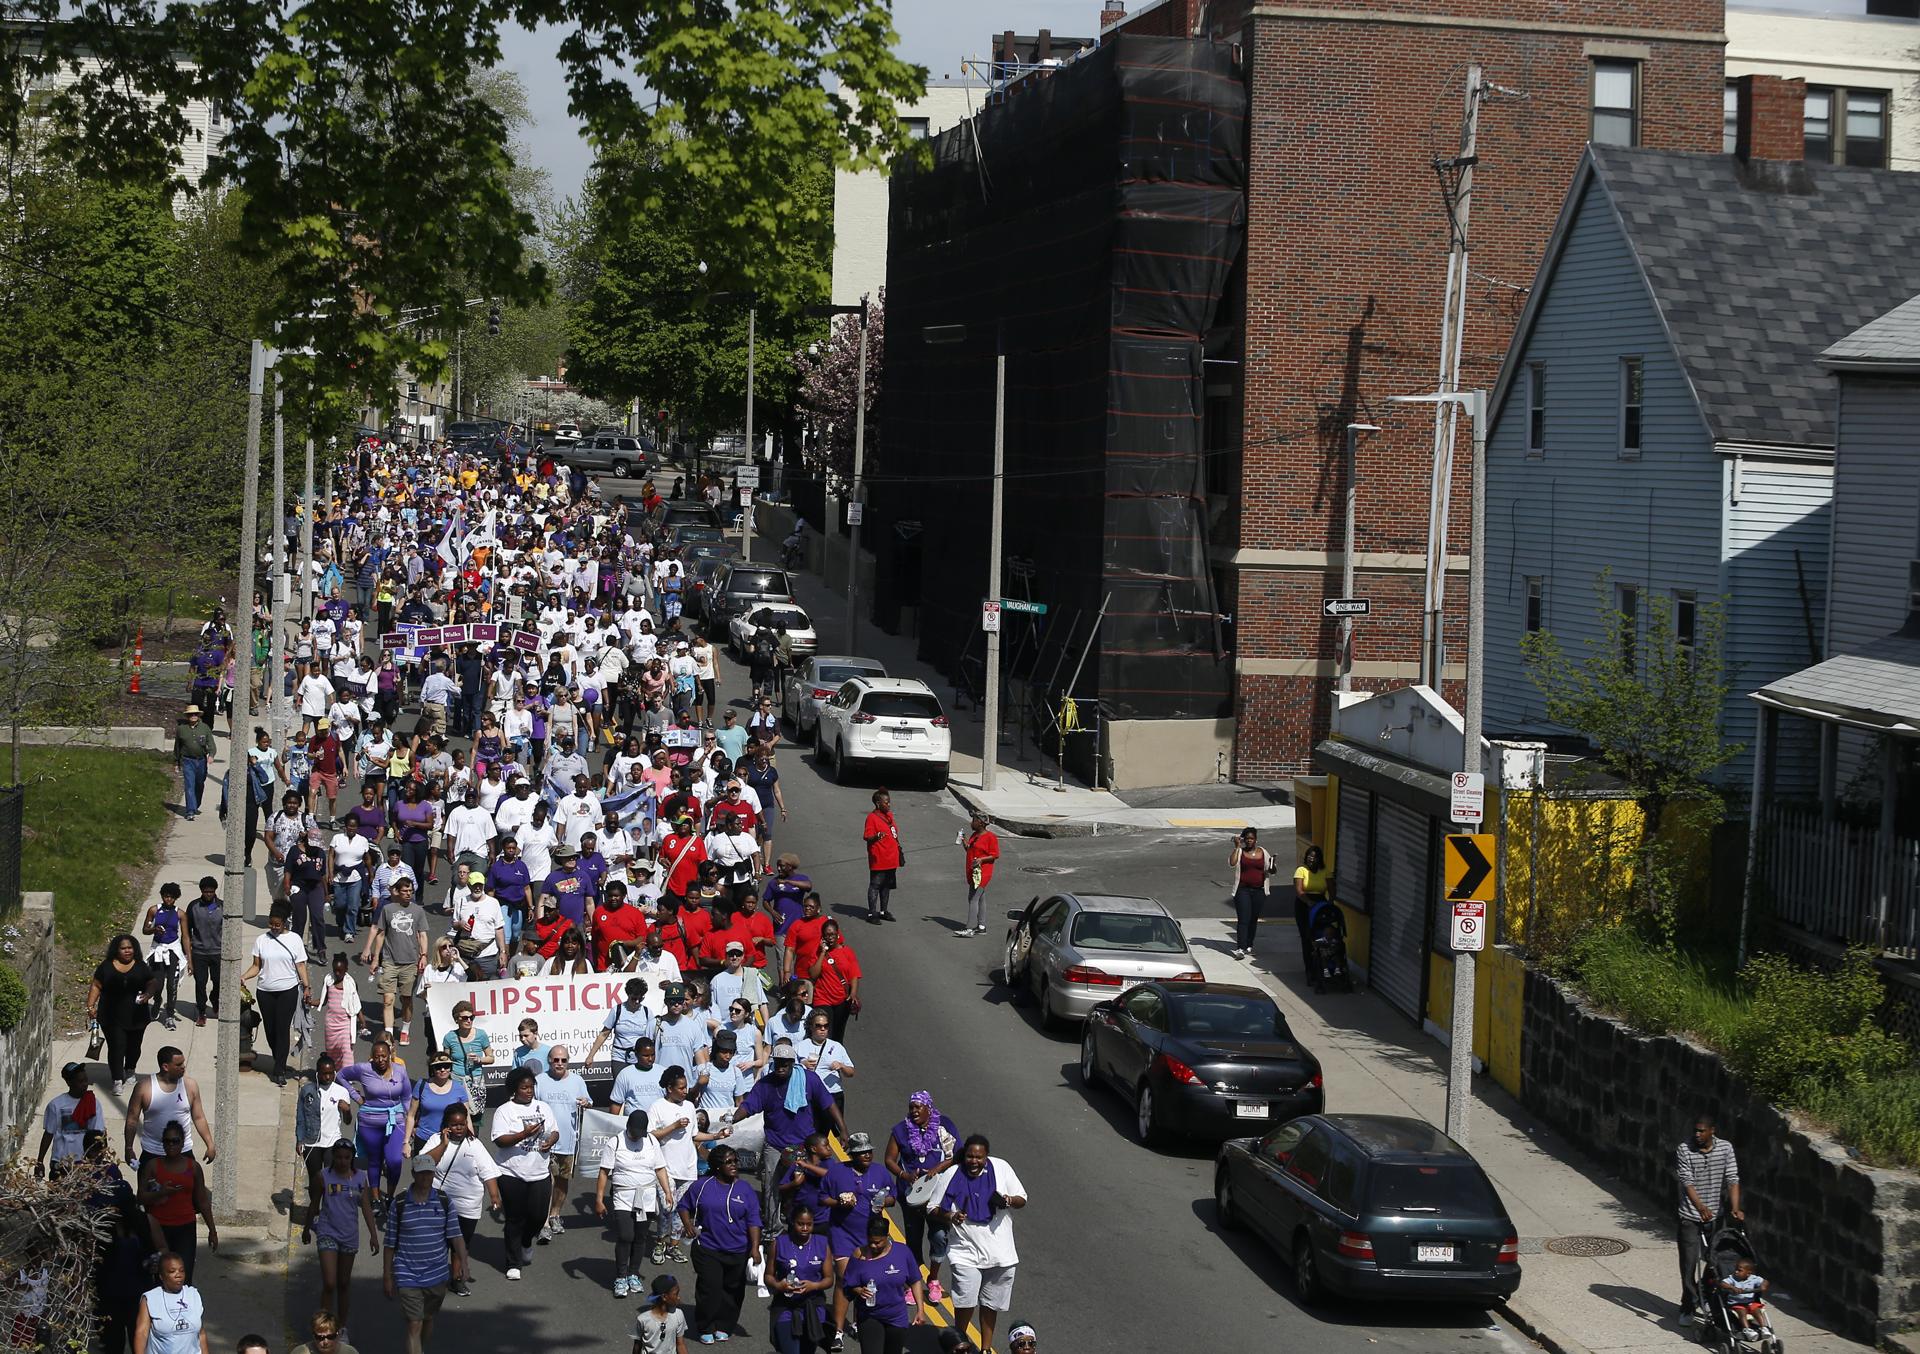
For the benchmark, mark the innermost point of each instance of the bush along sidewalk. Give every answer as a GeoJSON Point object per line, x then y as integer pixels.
{"type": "Point", "coordinates": [1805, 1038]}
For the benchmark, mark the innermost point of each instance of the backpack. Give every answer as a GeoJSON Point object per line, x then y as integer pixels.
{"type": "Point", "coordinates": [400, 1209]}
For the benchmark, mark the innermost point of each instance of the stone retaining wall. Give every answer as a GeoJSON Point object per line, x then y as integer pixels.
{"type": "Point", "coordinates": [140, 737]}
{"type": "Point", "coordinates": [28, 950]}
{"type": "Point", "coordinates": [1840, 1236]}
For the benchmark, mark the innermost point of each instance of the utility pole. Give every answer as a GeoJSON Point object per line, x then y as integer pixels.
{"type": "Point", "coordinates": [746, 494]}
{"type": "Point", "coordinates": [226, 1122]}
{"type": "Point", "coordinates": [1348, 548]}
{"type": "Point", "coordinates": [456, 367]}
{"type": "Point", "coordinates": [1458, 195]}
{"type": "Point", "coordinates": [274, 678]}
{"type": "Point", "coordinates": [856, 505]}
{"type": "Point", "coordinates": [306, 541]}
{"type": "Point", "coordinates": [990, 751]}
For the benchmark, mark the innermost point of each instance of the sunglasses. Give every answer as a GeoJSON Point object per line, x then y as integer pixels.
{"type": "Point", "coordinates": [326, 1335]}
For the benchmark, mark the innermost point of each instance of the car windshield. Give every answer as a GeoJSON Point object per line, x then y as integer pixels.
{"type": "Point", "coordinates": [760, 580]}
{"type": "Point", "coordinates": [1219, 1015]}
{"type": "Point", "coordinates": [1452, 1189]}
{"type": "Point", "coordinates": [901, 705]}
{"type": "Point", "coordinates": [832, 674]}
{"type": "Point", "coordinates": [792, 620]}
{"type": "Point", "coordinates": [1127, 931]}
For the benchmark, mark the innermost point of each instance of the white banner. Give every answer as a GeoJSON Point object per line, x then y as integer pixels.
{"type": "Point", "coordinates": [570, 1011]}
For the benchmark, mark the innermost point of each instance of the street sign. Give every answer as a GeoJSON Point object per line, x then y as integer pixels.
{"type": "Point", "coordinates": [1469, 798]}
{"type": "Point", "coordinates": [855, 512]}
{"type": "Point", "coordinates": [1031, 608]}
{"type": "Point", "coordinates": [990, 616]}
{"type": "Point", "coordinates": [748, 476]}
{"type": "Point", "coordinates": [1469, 926]}
{"type": "Point", "coordinates": [1469, 866]}
{"type": "Point", "coordinates": [1346, 606]}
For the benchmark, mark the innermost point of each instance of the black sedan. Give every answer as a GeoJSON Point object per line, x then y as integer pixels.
{"type": "Point", "coordinates": [1371, 1206]}
{"type": "Point", "coordinates": [1207, 1060]}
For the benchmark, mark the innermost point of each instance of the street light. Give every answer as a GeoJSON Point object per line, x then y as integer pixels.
{"type": "Point", "coordinates": [1460, 1051]}
{"type": "Point", "coordinates": [1346, 569]}
{"type": "Point", "coordinates": [942, 335]}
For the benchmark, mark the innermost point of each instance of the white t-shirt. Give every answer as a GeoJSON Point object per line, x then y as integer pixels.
{"type": "Point", "coordinates": [677, 1147]}
{"type": "Point", "coordinates": [316, 693]}
{"type": "Point", "coordinates": [987, 1245]}
{"type": "Point", "coordinates": [70, 1139]}
{"type": "Point", "coordinates": [349, 855]}
{"type": "Point", "coordinates": [469, 830]}
{"type": "Point", "coordinates": [278, 956]}
{"type": "Point", "coordinates": [536, 848]}
{"type": "Point", "coordinates": [703, 661]}
{"type": "Point", "coordinates": [525, 1160]}
{"type": "Point", "coordinates": [577, 815]}
{"type": "Point", "coordinates": [332, 1098]}
{"type": "Point", "coordinates": [512, 813]}
{"type": "Point", "coordinates": [631, 1177]}
{"type": "Point", "coordinates": [465, 1167]}
{"type": "Point", "coordinates": [482, 916]}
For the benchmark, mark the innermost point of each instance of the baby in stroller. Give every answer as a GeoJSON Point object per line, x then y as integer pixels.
{"type": "Point", "coordinates": [1738, 1315]}
{"type": "Point", "coordinates": [1327, 936]}
{"type": "Point", "coordinates": [1741, 1292]}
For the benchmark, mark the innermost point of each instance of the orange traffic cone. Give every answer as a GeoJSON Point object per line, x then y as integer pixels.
{"type": "Point", "coordinates": [139, 635]}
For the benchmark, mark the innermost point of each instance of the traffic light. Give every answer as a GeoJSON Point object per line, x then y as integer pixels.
{"type": "Point", "coordinates": [493, 320]}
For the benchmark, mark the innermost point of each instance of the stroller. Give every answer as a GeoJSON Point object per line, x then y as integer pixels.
{"type": "Point", "coordinates": [1327, 940]}
{"type": "Point", "coordinates": [1725, 1245]}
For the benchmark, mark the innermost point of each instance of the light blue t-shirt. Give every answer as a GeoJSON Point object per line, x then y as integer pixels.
{"type": "Point", "coordinates": [535, 1057]}
{"type": "Point", "coordinates": [725, 1086]}
{"type": "Point", "coordinates": [723, 989]}
{"type": "Point", "coordinates": [678, 1042]}
{"type": "Point", "coordinates": [733, 741]}
{"type": "Point", "coordinates": [175, 1319]}
{"type": "Point", "coordinates": [563, 1095]}
{"type": "Point", "coordinates": [629, 1028]}
{"type": "Point", "coordinates": [636, 1088]}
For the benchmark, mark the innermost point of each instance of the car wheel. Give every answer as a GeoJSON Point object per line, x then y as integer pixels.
{"type": "Point", "coordinates": [1146, 1117]}
{"type": "Point", "coordinates": [1225, 1208]}
{"type": "Point", "coordinates": [1089, 1061]}
{"type": "Point", "coordinates": [937, 780]}
{"type": "Point", "coordinates": [1049, 1019]}
{"type": "Point", "coordinates": [1010, 974]}
{"type": "Point", "coordinates": [1306, 1273]}
{"type": "Point", "coordinates": [621, 470]}
{"type": "Point", "coordinates": [839, 764]}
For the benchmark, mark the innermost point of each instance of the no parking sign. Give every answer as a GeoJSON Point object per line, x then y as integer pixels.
{"type": "Point", "coordinates": [1469, 925]}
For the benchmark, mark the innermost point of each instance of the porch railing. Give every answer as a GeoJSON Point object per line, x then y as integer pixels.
{"type": "Point", "coordinates": [1841, 880]}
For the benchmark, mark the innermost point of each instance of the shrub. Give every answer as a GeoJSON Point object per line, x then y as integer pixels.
{"type": "Point", "coordinates": [1881, 1119]}
{"type": "Point", "coordinates": [13, 998]}
{"type": "Point", "coordinates": [1809, 1031]}
{"type": "Point", "coordinates": [1655, 988]}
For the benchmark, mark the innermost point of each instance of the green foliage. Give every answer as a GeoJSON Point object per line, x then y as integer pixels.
{"type": "Point", "coordinates": [372, 159]}
{"type": "Point", "coordinates": [13, 998]}
{"type": "Point", "coordinates": [1880, 1118]}
{"type": "Point", "coordinates": [1810, 1030]}
{"type": "Point", "coordinates": [94, 817]}
{"type": "Point", "coordinates": [1632, 971]}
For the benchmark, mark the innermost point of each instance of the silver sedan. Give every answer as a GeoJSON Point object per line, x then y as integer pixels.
{"type": "Point", "coordinates": [812, 683]}
{"type": "Point", "coordinates": [1072, 951]}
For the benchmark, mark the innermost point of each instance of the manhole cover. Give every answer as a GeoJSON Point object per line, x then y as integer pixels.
{"type": "Point", "coordinates": [1047, 869]}
{"type": "Point", "coordinates": [1587, 1247]}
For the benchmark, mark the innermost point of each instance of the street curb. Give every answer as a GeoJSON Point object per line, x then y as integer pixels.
{"type": "Point", "coordinates": [1541, 1331]}
{"type": "Point", "coordinates": [1044, 827]}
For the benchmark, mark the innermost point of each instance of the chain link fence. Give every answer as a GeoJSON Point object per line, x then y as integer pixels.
{"type": "Point", "coordinates": [13, 803]}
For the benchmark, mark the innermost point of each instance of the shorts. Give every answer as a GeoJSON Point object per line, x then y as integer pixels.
{"type": "Point", "coordinates": [327, 1243]}
{"type": "Point", "coordinates": [990, 1288]}
{"type": "Point", "coordinates": [318, 780]}
{"type": "Point", "coordinates": [396, 979]}
{"type": "Point", "coordinates": [421, 1304]}
{"type": "Point", "coordinates": [560, 1167]}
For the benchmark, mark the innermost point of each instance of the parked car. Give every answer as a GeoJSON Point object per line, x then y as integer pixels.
{"type": "Point", "coordinates": [742, 586]}
{"type": "Point", "coordinates": [474, 430]}
{"type": "Point", "coordinates": [798, 625]}
{"type": "Point", "coordinates": [565, 434]}
{"type": "Point", "coordinates": [710, 550]}
{"type": "Point", "coordinates": [700, 574]}
{"type": "Point", "coordinates": [690, 533]}
{"type": "Point", "coordinates": [1071, 951]}
{"type": "Point", "coordinates": [1371, 1206]}
{"type": "Point", "coordinates": [875, 721]}
{"type": "Point", "coordinates": [607, 453]}
{"type": "Point", "coordinates": [1199, 1059]}
{"type": "Point", "coordinates": [695, 511]}
{"type": "Point", "coordinates": [811, 684]}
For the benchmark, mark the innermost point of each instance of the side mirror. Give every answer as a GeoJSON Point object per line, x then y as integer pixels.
{"type": "Point", "coordinates": [1016, 914]}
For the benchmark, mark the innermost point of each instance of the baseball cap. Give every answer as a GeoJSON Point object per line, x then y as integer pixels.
{"type": "Point", "coordinates": [475, 877]}
{"type": "Point", "coordinates": [663, 1284]}
{"type": "Point", "coordinates": [423, 1162]}
{"type": "Point", "coordinates": [735, 947]}
{"type": "Point", "coordinates": [66, 1073]}
{"type": "Point", "coordinates": [784, 1049]}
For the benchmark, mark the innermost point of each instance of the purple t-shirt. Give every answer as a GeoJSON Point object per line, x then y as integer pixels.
{"type": "Point", "coordinates": [415, 821]}
{"type": "Point", "coordinates": [722, 1213]}
{"type": "Point", "coordinates": [392, 1091]}
{"type": "Point", "coordinates": [849, 1221]}
{"type": "Point", "coordinates": [369, 819]}
{"type": "Point", "coordinates": [891, 1275]}
{"type": "Point", "coordinates": [911, 1160]}
{"type": "Point", "coordinates": [339, 1218]}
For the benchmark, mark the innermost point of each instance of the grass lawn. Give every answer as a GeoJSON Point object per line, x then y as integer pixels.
{"type": "Point", "coordinates": [94, 821]}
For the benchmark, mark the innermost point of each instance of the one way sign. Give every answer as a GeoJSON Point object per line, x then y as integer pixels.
{"type": "Point", "coordinates": [1469, 866]}
{"type": "Point", "coordinates": [1346, 606]}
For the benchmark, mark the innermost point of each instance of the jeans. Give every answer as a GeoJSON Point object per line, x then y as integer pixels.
{"type": "Point", "coordinates": [253, 825]}
{"type": "Point", "coordinates": [309, 904]}
{"type": "Point", "coordinates": [977, 908]}
{"type": "Point", "coordinates": [720, 1287]}
{"type": "Point", "coordinates": [525, 1203]}
{"type": "Point", "coordinates": [193, 775]}
{"type": "Point", "coordinates": [926, 1236]}
{"type": "Point", "coordinates": [416, 855]}
{"type": "Point", "coordinates": [776, 1163]}
{"type": "Point", "coordinates": [276, 1017]}
{"type": "Point", "coordinates": [1693, 1251]}
{"type": "Point", "coordinates": [206, 975]}
{"type": "Point", "coordinates": [788, 1325]}
{"type": "Point", "coordinates": [346, 905]}
{"type": "Point", "coordinates": [1302, 909]}
{"type": "Point", "coordinates": [1248, 900]}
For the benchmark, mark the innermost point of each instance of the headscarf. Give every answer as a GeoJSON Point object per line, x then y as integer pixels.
{"type": "Point", "coordinates": [923, 1140]}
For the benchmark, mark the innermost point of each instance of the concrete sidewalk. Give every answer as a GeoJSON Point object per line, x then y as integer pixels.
{"type": "Point", "coordinates": [245, 1284]}
{"type": "Point", "coordinates": [1376, 1062]}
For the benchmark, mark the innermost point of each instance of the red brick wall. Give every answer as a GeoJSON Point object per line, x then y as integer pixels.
{"type": "Point", "coordinates": [1346, 267]}
{"type": "Point", "coordinates": [1772, 120]}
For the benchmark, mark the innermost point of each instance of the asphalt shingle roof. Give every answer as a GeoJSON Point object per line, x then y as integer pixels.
{"type": "Point", "coordinates": [1880, 686]}
{"type": "Point", "coordinates": [1894, 338]}
{"type": "Point", "coordinates": [1756, 279]}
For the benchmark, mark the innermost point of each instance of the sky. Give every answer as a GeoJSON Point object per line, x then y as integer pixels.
{"type": "Point", "coordinates": [934, 33]}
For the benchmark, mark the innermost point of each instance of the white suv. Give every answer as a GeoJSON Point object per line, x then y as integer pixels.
{"type": "Point", "coordinates": [874, 720]}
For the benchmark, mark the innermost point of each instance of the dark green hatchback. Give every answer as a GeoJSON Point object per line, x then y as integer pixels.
{"type": "Point", "coordinates": [1371, 1206]}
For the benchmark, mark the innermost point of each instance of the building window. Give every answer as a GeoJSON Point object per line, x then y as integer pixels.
{"type": "Point", "coordinates": [1685, 612]}
{"type": "Point", "coordinates": [1626, 600]}
{"type": "Point", "coordinates": [1730, 118]}
{"type": "Point", "coordinates": [1536, 603]}
{"type": "Point", "coordinates": [1536, 409]}
{"type": "Point", "coordinates": [1846, 126]}
{"type": "Point", "coordinates": [1616, 103]}
{"type": "Point", "coordinates": [1632, 387]}
{"type": "Point", "coordinates": [917, 128]}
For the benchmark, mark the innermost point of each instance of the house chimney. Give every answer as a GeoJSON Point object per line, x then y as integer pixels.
{"type": "Point", "coordinates": [1111, 13]}
{"type": "Point", "coordinates": [1770, 122]}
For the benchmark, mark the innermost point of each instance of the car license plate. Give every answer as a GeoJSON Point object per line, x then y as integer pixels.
{"type": "Point", "coordinates": [904, 733]}
{"type": "Point", "coordinates": [1246, 1109]}
{"type": "Point", "coordinates": [1433, 1255]}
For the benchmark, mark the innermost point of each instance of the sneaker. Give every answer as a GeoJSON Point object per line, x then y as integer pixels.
{"type": "Point", "coordinates": [460, 1290]}
{"type": "Point", "coordinates": [658, 1258]}
{"type": "Point", "coordinates": [513, 1272]}
{"type": "Point", "coordinates": [723, 1336]}
{"type": "Point", "coordinates": [620, 1286]}
{"type": "Point", "coordinates": [707, 1339]}
{"type": "Point", "coordinates": [556, 1224]}
{"type": "Point", "coordinates": [935, 1293]}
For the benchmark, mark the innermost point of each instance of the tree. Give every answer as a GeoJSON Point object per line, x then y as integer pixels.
{"type": "Point", "coordinates": [830, 384]}
{"type": "Point", "coordinates": [375, 175]}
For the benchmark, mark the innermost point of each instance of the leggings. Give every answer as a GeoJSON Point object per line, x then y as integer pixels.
{"type": "Point", "coordinates": [183, 1239]}
{"type": "Point", "coordinates": [879, 891]}
{"type": "Point", "coordinates": [878, 1339]}
{"type": "Point", "coordinates": [526, 1204]}
{"type": "Point", "coordinates": [276, 1015]}
{"type": "Point", "coordinates": [123, 1044]}
{"type": "Point", "coordinates": [1248, 899]}
{"type": "Point", "coordinates": [1302, 908]}
{"type": "Point", "coordinates": [383, 1143]}
{"type": "Point", "coordinates": [720, 1287]}
{"type": "Point", "coordinates": [631, 1231]}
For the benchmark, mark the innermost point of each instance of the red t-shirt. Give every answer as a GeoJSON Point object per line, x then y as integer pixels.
{"type": "Point", "coordinates": [980, 848]}
{"type": "Point", "coordinates": [883, 854]}
{"type": "Point", "coordinates": [689, 867]}
{"type": "Point", "coordinates": [675, 941]}
{"type": "Point", "coordinates": [750, 931]}
{"type": "Point", "coordinates": [713, 948]}
{"type": "Point", "coordinates": [739, 808]}
{"type": "Point", "coordinates": [838, 969]}
{"type": "Point", "coordinates": [803, 938]}
{"type": "Point", "coordinates": [613, 926]}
